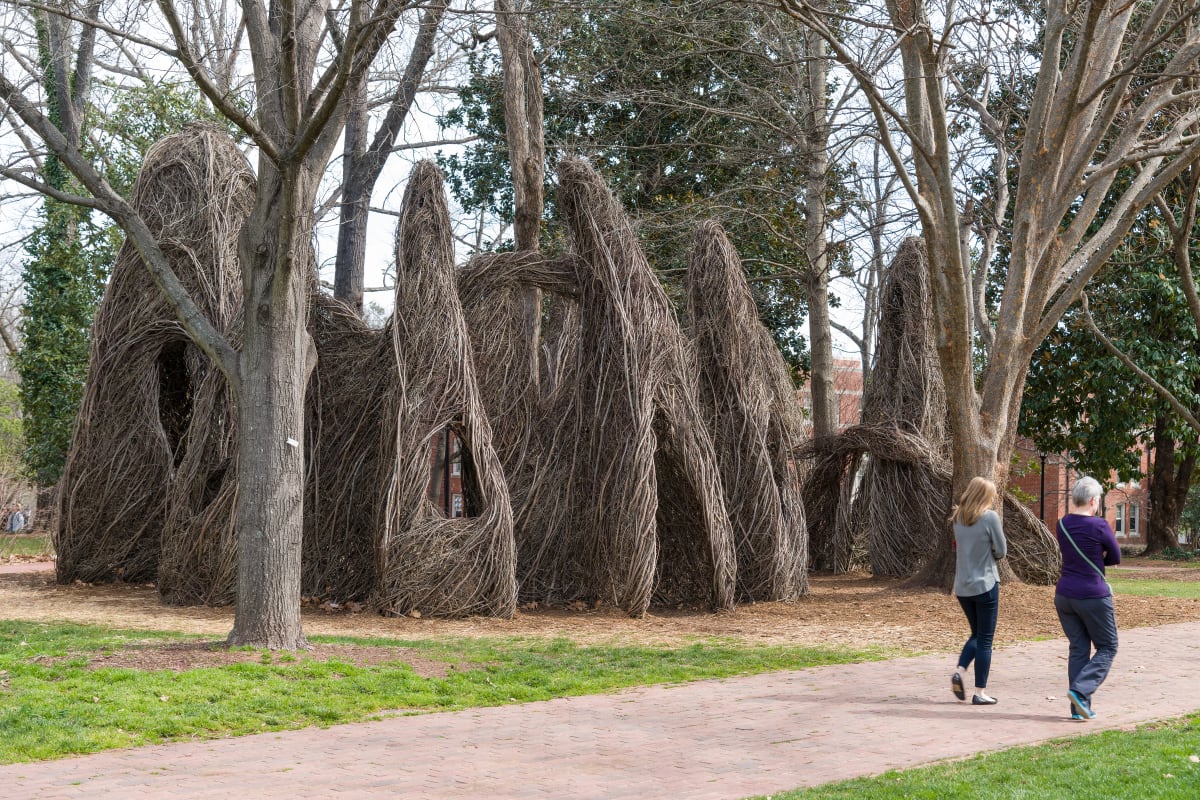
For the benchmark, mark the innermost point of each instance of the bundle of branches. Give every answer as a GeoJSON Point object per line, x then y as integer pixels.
{"type": "Point", "coordinates": [152, 452]}
{"type": "Point", "coordinates": [904, 502]}
{"type": "Point", "coordinates": [834, 485]}
{"type": "Point", "coordinates": [750, 407]}
{"type": "Point", "coordinates": [624, 503]}
{"type": "Point", "coordinates": [1032, 550]}
{"type": "Point", "coordinates": [349, 456]}
{"type": "Point", "coordinates": [518, 366]}
{"type": "Point", "coordinates": [902, 495]}
{"type": "Point", "coordinates": [428, 562]}
{"type": "Point", "coordinates": [1033, 554]}
{"type": "Point", "coordinates": [901, 503]}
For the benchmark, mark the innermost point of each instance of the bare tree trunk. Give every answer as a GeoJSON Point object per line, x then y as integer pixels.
{"type": "Point", "coordinates": [296, 126]}
{"type": "Point", "coordinates": [523, 120]}
{"type": "Point", "coordinates": [524, 128]}
{"type": "Point", "coordinates": [273, 366]}
{"type": "Point", "coordinates": [348, 275]}
{"type": "Point", "coordinates": [363, 165]}
{"type": "Point", "coordinates": [814, 146]}
{"type": "Point", "coordinates": [815, 143]}
{"type": "Point", "coordinates": [1109, 91]}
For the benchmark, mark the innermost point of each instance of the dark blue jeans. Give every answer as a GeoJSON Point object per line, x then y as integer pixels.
{"type": "Point", "coordinates": [981, 611]}
{"type": "Point", "coordinates": [1087, 623]}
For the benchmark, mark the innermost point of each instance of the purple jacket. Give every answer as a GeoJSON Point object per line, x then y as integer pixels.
{"type": "Point", "coordinates": [1095, 538]}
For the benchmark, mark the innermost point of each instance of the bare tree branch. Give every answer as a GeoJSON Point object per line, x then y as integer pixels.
{"type": "Point", "coordinates": [105, 198]}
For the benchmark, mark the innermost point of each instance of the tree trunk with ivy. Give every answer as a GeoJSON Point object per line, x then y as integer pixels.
{"type": "Point", "coordinates": [64, 275]}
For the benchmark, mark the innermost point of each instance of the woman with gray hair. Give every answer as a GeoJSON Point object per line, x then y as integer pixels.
{"type": "Point", "coordinates": [1083, 598]}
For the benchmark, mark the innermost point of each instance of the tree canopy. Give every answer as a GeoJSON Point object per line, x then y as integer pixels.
{"type": "Point", "coordinates": [689, 109]}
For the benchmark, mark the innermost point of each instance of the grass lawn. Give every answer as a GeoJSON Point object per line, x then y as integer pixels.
{"type": "Point", "coordinates": [1131, 581]}
{"type": "Point", "coordinates": [1175, 558]}
{"type": "Point", "coordinates": [52, 705]}
{"type": "Point", "coordinates": [1128, 584]}
{"type": "Point", "coordinates": [1158, 761]}
{"type": "Point", "coordinates": [23, 545]}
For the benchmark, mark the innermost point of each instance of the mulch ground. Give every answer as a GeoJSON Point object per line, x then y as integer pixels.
{"type": "Point", "coordinates": [852, 611]}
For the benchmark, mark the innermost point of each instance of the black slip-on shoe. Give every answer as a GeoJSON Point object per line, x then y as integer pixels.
{"type": "Point", "coordinates": [956, 686]}
{"type": "Point", "coordinates": [976, 700]}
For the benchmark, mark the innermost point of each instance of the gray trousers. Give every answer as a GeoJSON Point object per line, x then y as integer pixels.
{"type": "Point", "coordinates": [1087, 623]}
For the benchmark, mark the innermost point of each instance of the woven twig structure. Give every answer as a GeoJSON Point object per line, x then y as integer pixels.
{"type": "Point", "coordinates": [620, 496]}
{"type": "Point", "coordinates": [901, 503]}
{"type": "Point", "coordinates": [645, 468]}
{"type": "Point", "coordinates": [513, 384]}
{"type": "Point", "coordinates": [751, 409]}
{"type": "Point", "coordinates": [887, 482]}
{"type": "Point", "coordinates": [428, 562]}
{"type": "Point", "coordinates": [1032, 550]}
{"type": "Point", "coordinates": [379, 402]}
{"type": "Point", "coordinates": [349, 456]}
{"type": "Point", "coordinates": [152, 458]}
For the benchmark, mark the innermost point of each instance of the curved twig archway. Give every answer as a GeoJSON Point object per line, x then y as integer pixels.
{"type": "Point", "coordinates": [152, 462]}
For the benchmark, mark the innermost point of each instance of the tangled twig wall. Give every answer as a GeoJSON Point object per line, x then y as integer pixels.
{"type": "Point", "coordinates": [885, 484]}
{"type": "Point", "coordinates": [616, 485]}
{"type": "Point", "coordinates": [751, 409]}
{"type": "Point", "coordinates": [146, 490]}
{"type": "Point", "coordinates": [428, 562]}
{"type": "Point", "coordinates": [635, 464]}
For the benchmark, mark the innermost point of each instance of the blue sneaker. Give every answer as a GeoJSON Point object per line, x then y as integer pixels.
{"type": "Point", "coordinates": [1081, 705]}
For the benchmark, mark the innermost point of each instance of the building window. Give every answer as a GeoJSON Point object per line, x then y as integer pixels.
{"type": "Point", "coordinates": [458, 505]}
{"type": "Point", "coordinates": [456, 466]}
{"type": "Point", "coordinates": [1133, 519]}
{"type": "Point", "coordinates": [1120, 526]}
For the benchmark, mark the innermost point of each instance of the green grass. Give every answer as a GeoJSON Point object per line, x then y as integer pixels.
{"type": "Point", "coordinates": [1155, 762]}
{"type": "Point", "coordinates": [1127, 584]}
{"type": "Point", "coordinates": [20, 545]}
{"type": "Point", "coordinates": [51, 705]}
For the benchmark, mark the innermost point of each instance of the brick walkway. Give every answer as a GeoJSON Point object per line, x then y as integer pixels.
{"type": "Point", "coordinates": [723, 739]}
{"type": "Point", "coordinates": [26, 566]}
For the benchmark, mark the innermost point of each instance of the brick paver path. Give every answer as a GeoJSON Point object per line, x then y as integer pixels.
{"type": "Point", "coordinates": [723, 739]}
{"type": "Point", "coordinates": [26, 566]}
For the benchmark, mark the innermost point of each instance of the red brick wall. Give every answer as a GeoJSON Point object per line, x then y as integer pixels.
{"type": "Point", "coordinates": [437, 475]}
{"type": "Point", "coordinates": [847, 387]}
{"type": "Point", "coordinates": [1123, 498]}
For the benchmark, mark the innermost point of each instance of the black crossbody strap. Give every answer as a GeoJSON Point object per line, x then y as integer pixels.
{"type": "Point", "coordinates": [1090, 563]}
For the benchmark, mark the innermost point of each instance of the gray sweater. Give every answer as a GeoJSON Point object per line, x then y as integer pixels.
{"type": "Point", "coordinates": [977, 548]}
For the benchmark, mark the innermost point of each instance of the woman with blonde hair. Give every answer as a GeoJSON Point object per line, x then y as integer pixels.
{"type": "Point", "coordinates": [978, 542]}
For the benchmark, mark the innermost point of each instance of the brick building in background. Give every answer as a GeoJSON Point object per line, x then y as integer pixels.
{"type": "Point", "coordinates": [1125, 506]}
{"type": "Point", "coordinates": [847, 387]}
{"type": "Point", "coordinates": [445, 484]}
